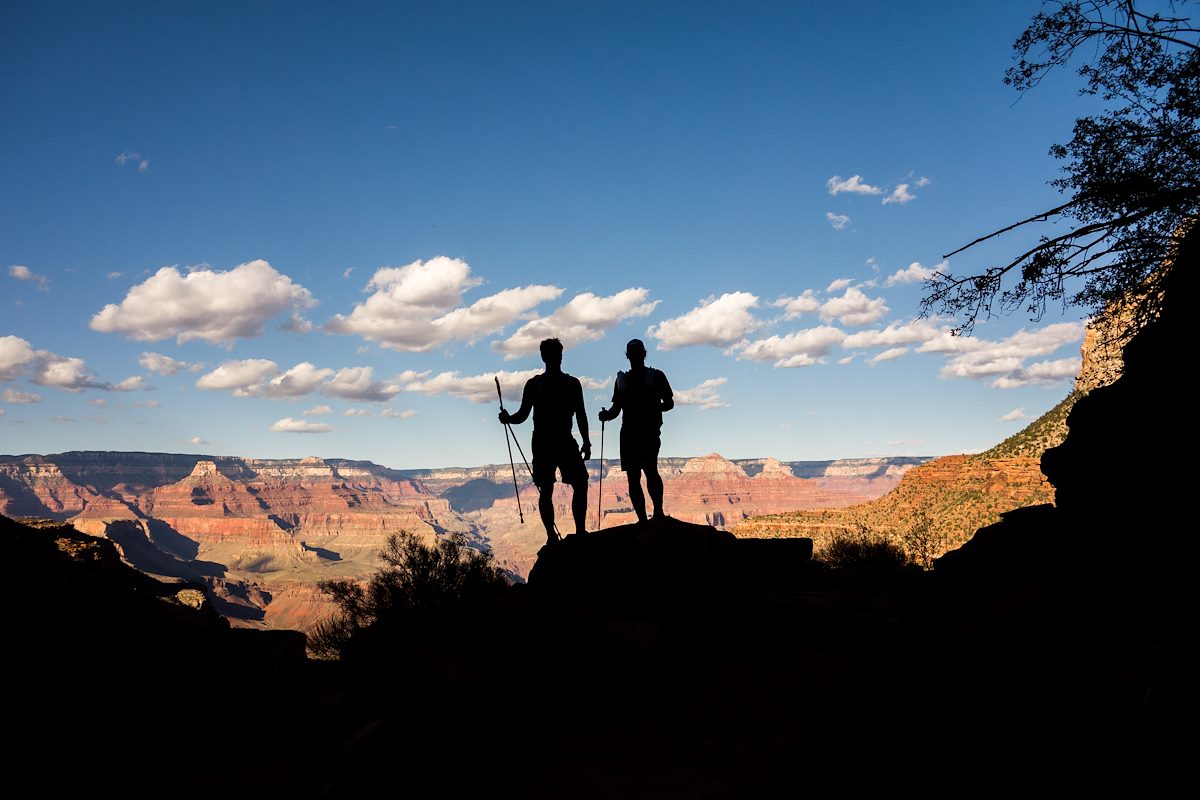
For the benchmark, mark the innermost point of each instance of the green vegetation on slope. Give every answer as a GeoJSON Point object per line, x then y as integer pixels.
{"type": "Point", "coordinates": [1048, 430]}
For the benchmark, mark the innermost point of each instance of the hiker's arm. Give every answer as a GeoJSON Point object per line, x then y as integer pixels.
{"type": "Point", "coordinates": [581, 421]}
{"type": "Point", "coordinates": [666, 397]}
{"type": "Point", "coordinates": [613, 411]}
{"type": "Point", "coordinates": [522, 413]}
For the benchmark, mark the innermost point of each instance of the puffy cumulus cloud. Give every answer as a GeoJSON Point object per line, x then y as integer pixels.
{"type": "Point", "coordinates": [130, 157]}
{"type": "Point", "coordinates": [18, 358]}
{"type": "Point", "coordinates": [260, 377]}
{"type": "Point", "coordinates": [838, 221]}
{"type": "Point", "coordinates": [358, 412]}
{"type": "Point", "coordinates": [407, 413]}
{"type": "Point", "coordinates": [798, 349]}
{"type": "Point", "coordinates": [297, 324]}
{"type": "Point", "coordinates": [854, 185]}
{"type": "Point", "coordinates": [476, 388]}
{"type": "Point", "coordinates": [23, 273]}
{"type": "Point", "coordinates": [899, 195]}
{"type": "Point", "coordinates": [586, 317]}
{"type": "Point", "coordinates": [1004, 359]}
{"type": "Point", "coordinates": [358, 383]}
{"type": "Point", "coordinates": [290, 425]}
{"type": "Point", "coordinates": [896, 333]}
{"type": "Point", "coordinates": [135, 383]}
{"type": "Point", "coordinates": [804, 303]}
{"type": "Point", "coordinates": [721, 321]}
{"type": "Point", "coordinates": [302, 379]}
{"type": "Point", "coordinates": [854, 308]}
{"type": "Point", "coordinates": [68, 374]}
{"type": "Point", "coordinates": [417, 307]}
{"type": "Point", "coordinates": [317, 411]}
{"type": "Point", "coordinates": [915, 273]}
{"type": "Point", "coordinates": [213, 305]}
{"type": "Point", "coordinates": [16, 355]}
{"type": "Point", "coordinates": [238, 376]}
{"type": "Point", "coordinates": [593, 383]}
{"type": "Point", "coordinates": [165, 365]}
{"type": "Point", "coordinates": [890, 354]}
{"type": "Point", "coordinates": [838, 285]}
{"type": "Point", "coordinates": [198, 440]}
{"type": "Point", "coordinates": [846, 359]}
{"type": "Point", "coordinates": [1042, 373]}
{"type": "Point", "coordinates": [705, 394]}
{"type": "Point", "coordinates": [1012, 416]}
{"type": "Point", "coordinates": [15, 396]}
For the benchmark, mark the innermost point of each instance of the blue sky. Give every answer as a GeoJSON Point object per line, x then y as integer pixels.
{"type": "Point", "coordinates": [217, 217]}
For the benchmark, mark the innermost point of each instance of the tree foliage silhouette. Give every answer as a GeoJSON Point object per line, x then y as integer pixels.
{"type": "Point", "coordinates": [416, 576]}
{"type": "Point", "coordinates": [1132, 171]}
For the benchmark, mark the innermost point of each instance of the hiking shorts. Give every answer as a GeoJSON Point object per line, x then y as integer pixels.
{"type": "Point", "coordinates": [560, 453]}
{"type": "Point", "coordinates": [639, 449]}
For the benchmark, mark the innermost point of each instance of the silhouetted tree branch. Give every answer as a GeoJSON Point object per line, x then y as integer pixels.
{"type": "Point", "coordinates": [1132, 174]}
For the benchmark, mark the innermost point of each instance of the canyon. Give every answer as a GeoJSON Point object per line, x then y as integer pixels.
{"type": "Point", "coordinates": [260, 534]}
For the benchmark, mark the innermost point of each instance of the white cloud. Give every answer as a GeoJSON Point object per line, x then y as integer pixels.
{"type": "Point", "coordinates": [238, 376]}
{"type": "Point", "coordinates": [838, 221]}
{"type": "Point", "coordinates": [23, 273]}
{"type": "Point", "coordinates": [899, 195]}
{"type": "Point", "coordinates": [1004, 359]}
{"type": "Point", "coordinates": [854, 184]}
{"type": "Point", "coordinates": [290, 425]}
{"type": "Point", "coordinates": [853, 308]}
{"type": "Point", "coordinates": [912, 332]}
{"type": "Point", "coordinates": [358, 412]}
{"type": "Point", "coordinates": [135, 383]}
{"type": "Point", "coordinates": [16, 355]}
{"type": "Point", "coordinates": [798, 349]}
{"type": "Point", "coordinates": [721, 321]}
{"type": "Point", "coordinates": [1042, 373]}
{"type": "Point", "coordinates": [346, 273]}
{"type": "Point", "coordinates": [921, 182]}
{"type": "Point", "coordinates": [297, 324]}
{"type": "Point", "coordinates": [838, 285]}
{"type": "Point", "coordinates": [99, 402]}
{"type": "Point", "coordinates": [302, 379]}
{"type": "Point", "coordinates": [846, 360]}
{"type": "Point", "coordinates": [198, 440]}
{"type": "Point", "coordinates": [358, 383]}
{"type": "Point", "coordinates": [214, 305]}
{"type": "Point", "coordinates": [804, 303]}
{"type": "Point", "coordinates": [1012, 416]}
{"type": "Point", "coordinates": [586, 317]}
{"type": "Point", "coordinates": [408, 413]}
{"type": "Point", "coordinates": [15, 396]}
{"type": "Point", "coordinates": [417, 307]}
{"type": "Point", "coordinates": [889, 355]}
{"type": "Point", "coordinates": [476, 388]}
{"type": "Point", "coordinates": [68, 374]}
{"type": "Point", "coordinates": [316, 411]}
{"type": "Point", "coordinates": [165, 365]}
{"type": "Point", "coordinates": [705, 394]}
{"type": "Point", "coordinates": [129, 157]}
{"type": "Point", "coordinates": [112, 276]}
{"type": "Point", "coordinates": [915, 273]}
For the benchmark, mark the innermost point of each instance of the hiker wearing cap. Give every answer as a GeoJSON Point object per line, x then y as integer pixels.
{"type": "Point", "coordinates": [555, 398]}
{"type": "Point", "coordinates": [640, 396]}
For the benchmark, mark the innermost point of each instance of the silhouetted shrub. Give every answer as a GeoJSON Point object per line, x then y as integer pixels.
{"type": "Point", "coordinates": [416, 576]}
{"type": "Point", "coordinates": [862, 548]}
{"type": "Point", "coordinates": [924, 541]}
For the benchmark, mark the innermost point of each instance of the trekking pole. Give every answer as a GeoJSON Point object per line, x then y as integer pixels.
{"type": "Point", "coordinates": [600, 490]}
{"type": "Point", "coordinates": [508, 443]}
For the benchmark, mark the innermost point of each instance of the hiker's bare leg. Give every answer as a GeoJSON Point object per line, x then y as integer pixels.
{"type": "Point", "coordinates": [579, 506]}
{"type": "Point", "coordinates": [546, 509]}
{"type": "Point", "coordinates": [636, 498]}
{"type": "Point", "coordinates": [654, 485]}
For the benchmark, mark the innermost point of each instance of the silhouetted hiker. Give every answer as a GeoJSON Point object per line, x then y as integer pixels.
{"type": "Point", "coordinates": [643, 394]}
{"type": "Point", "coordinates": [554, 396]}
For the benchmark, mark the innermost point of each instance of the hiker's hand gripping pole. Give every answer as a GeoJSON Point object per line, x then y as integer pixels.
{"type": "Point", "coordinates": [508, 443]}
